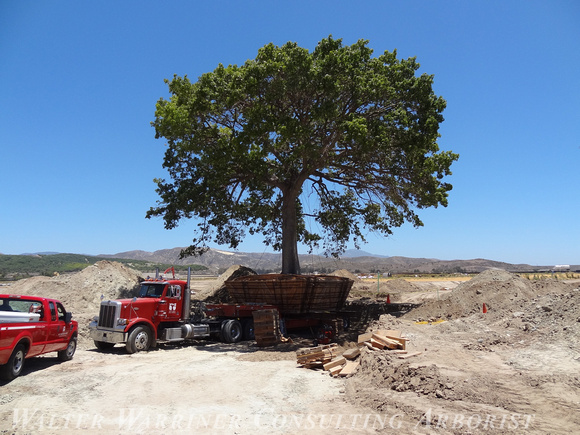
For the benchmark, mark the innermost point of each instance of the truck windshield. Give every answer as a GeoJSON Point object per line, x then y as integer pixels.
{"type": "Point", "coordinates": [151, 290]}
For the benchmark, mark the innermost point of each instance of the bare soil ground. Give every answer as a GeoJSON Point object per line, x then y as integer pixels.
{"type": "Point", "coordinates": [514, 369]}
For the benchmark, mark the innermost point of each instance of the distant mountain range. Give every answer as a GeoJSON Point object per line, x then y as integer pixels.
{"type": "Point", "coordinates": [354, 261]}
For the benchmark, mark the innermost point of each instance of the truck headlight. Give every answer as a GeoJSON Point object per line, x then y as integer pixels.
{"type": "Point", "coordinates": [122, 322]}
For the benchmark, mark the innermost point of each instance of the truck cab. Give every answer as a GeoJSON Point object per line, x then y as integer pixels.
{"type": "Point", "coordinates": [160, 312]}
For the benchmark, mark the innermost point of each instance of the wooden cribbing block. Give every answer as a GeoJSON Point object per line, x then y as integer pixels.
{"type": "Point", "coordinates": [369, 345]}
{"type": "Point", "coordinates": [317, 349]}
{"type": "Point", "coordinates": [335, 370]}
{"type": "Point", "coordinates": [320, 354]}
{"type": "Point", "coordinates": [313, 365]}
{"type": "Point", "coordinates": [386, 342]}
{"type": "Point", "coordinates": [349, 368]}
{"type": "Point", "coordinates": [351, 353]}
{"type": "Point", "coordinates": [393, 333]}
{"type": "Point", "coordinates": [377, 344]}
{"type": "Point", "coordinates": [365, 337]}
{"type": "Point", "coordinates": [340, 361]}
{"type": "Point", "coordinates": [266, 327]}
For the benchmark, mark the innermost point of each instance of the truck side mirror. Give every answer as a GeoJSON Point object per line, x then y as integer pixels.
{"type": "Point", "coordinates": [67, 317]}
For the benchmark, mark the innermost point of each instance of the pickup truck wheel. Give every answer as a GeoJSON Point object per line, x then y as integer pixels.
{"type": "Point", "coordinates": [15, 364]}
{"type": "Point", "coordinates": [139, 339]}
{"type": "Point", "coordinates": [68, 353]}
{"type": "Point", "coordinates": [232, 331]}
{"type": "Point", "coordinates": [103, 345]}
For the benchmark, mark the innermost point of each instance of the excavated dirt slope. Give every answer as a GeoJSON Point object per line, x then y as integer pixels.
{"type": "Point", "coordinates": [513, 369]}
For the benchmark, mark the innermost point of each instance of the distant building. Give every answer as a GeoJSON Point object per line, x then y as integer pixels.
{"type": "Point", "coordinates": [561, 268]}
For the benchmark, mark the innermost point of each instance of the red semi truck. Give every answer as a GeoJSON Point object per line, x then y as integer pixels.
{"type": "Point", "coordinates": [163, 312]}
{"type": "Point", "coordinates": [31, 326]}
{"type": "Point", "coordinates": [160, 313]}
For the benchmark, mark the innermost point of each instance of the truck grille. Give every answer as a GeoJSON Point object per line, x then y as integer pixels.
{"type": "Point", "coordinates": [108, 314]}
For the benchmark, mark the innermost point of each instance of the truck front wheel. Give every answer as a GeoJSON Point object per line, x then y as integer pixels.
{"type": "Point", "coordinates": [139, 339]}
{"type": "Point", "coordinates": [67, 354]}
{"type": "Point", "coordinates": [15, 364]}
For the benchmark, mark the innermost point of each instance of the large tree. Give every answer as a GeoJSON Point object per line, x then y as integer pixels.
{"type": "Point", "coordinates": [334, 137]}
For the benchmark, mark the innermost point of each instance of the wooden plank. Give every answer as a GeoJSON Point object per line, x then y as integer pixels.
{"type": "Point", "coordinates": [351, 353]}
{"type": "Point", "coordinates": [349, 368]}
{"type": "Point", "coordinates": [410, 355]}
{"type": "Point", "coordinates": [307, 350]}
{"type": "Point", "coordinates": [335, 362]}
{"type": "Point", "coordinates": [335, 370]}
{"type": "Point", "coordinates": [400, 351]}
{"type": "Point", "coordinates": [313, 365]}
{"type": "Point", "coordinates": [365, 337]}
{"type": "Point", "coordinates": [389, 333]}
{"type": "Point", "coordinates": [401, 340]}
{"type": "Point", "coordinates": [377, 344]}
{"type": "Point", "coordinates": [322, 354]}
{"type": "Point", "coordinates": [387, 342]}
{"type": "Point", "coordinates": [369, 345]}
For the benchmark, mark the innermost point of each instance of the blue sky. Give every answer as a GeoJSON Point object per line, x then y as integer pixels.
{"type": "Point", "coordinates": [79, 82]}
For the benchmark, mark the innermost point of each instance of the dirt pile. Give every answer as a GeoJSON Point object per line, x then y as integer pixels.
{"type": "Point", "coordinates": [81, 292]}
{"type": "Point", "coordinates": [497, 289]}
{"type": "Point", "coordinates": [398, 285]}
{"type": "Point", "coordinates": [519, 361]}
{"type": "Point", "coordinates": [345, 274]}
{"type": "Point", "coordinates": [384, 370]}
{"type": "Point", "coordinates": [217, 291]}
{"type": "Point", "coordinates": [398, 288]}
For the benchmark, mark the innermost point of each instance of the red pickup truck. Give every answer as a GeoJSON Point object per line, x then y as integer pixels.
{"type": "Point", "coordinates": [31, 326]}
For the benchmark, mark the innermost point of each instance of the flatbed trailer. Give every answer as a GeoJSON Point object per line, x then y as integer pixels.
{"type": "Point", "coordinates": [324, 325]}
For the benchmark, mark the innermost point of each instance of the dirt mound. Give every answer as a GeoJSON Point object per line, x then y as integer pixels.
{"type": "Point", "coordinates": [345, 274]}
{"type": "Point", "coordinates": [385, 371]}
{"type": "Point", "coordinates": [217, 292]}
{"type": "Point", "coordinates": [497, 289]}
{"type": "Point", "coordinates": [81, 292]}
{"type": "Point", "coordinates": [518, 359]}
{"type": "Point", "coordinates": [399, 285]}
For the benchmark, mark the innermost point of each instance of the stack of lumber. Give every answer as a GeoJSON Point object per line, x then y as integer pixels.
{"type": "Point", "coordinates": [383, 339]}
{"type": "Point", "coordinates": [267, 327]}
{"type": "Point", "coordinates": [386, 339]}
{"type": "Point", "coordinates": [313, 357]}
{"type": "Point", "coordinates": [329, 358]}
{"type": "Point", "coordinates": [345, 363]}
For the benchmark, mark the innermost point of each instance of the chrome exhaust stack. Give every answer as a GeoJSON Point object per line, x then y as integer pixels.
{"type": "Point", "coordinates": [186, 310]}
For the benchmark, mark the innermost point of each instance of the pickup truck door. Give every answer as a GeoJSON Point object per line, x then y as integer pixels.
{"type": "Point", "coordinates": [58, 330]}
{"type": "Point", "coordinates": [35, 332]}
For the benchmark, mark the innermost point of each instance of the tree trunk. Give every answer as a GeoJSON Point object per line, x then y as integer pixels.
{"type": "Point", "coordinates": [290, 262]}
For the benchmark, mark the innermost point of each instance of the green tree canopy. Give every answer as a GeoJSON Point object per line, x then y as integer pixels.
{"type": "Point", "coordinates": [352, 135]}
